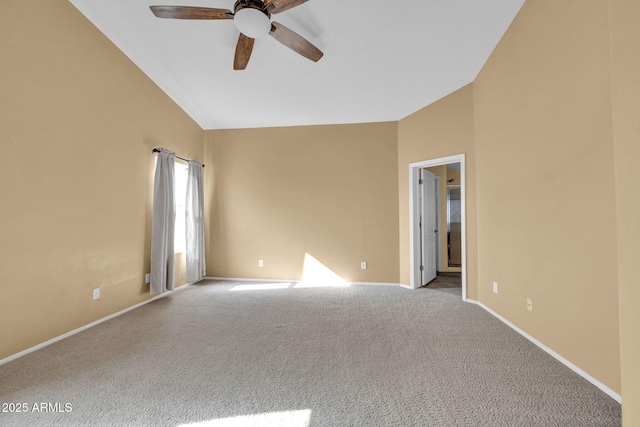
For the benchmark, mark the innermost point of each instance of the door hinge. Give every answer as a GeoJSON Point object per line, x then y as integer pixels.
{"type": "Point", "coordinates": [422, 268]}
{"type": "Point", "coordinates": [421, 181]}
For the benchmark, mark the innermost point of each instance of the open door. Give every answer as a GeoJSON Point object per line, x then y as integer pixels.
{"type": "Point", "coordinates": [428, 228]}
{"type": "Point", "coordinates": [417, 238]}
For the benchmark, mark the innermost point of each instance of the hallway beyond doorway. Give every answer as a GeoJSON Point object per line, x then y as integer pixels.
{"type": "Point", "coordinates": [446, 280]}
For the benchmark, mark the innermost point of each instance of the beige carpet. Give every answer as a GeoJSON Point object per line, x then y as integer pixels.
{"type": "Point", "coordinates": [222, 354]}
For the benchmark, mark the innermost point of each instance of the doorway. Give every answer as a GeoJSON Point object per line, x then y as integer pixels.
{"type": "Point", "coordinates": [419, 203]}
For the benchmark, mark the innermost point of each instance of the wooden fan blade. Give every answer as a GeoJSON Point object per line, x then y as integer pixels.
{"type": "Point", "coordinates": [282, 5]}
{"type": "Point", "coordinates": [295, 42]}
{"type": "Point", "coordinates": [243, 52]}
{"type": "Point", "coordinates": [189, 12]}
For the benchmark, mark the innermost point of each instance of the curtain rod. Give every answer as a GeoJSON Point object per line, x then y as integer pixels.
{"type": "Point", "coordinates": [156, 150]}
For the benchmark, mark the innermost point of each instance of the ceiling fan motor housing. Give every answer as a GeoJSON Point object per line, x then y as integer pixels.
{"type": "Point", "coordinates": [252, 18]}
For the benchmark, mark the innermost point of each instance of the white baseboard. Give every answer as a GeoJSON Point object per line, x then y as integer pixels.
{"type": "Point", "coordinates": [240, 279]}
{"type": "Point", "coordinates": [82, 328]}
{"type": "Point", "coordinates": [236, 279]}
{"type": "Point", "coordinates": [381, 284]}
{"type": "Point", "coordinates": [615, 396]}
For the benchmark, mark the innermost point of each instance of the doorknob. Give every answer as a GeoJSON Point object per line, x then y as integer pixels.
{"type": "Point", "coordinates": [435, 231]}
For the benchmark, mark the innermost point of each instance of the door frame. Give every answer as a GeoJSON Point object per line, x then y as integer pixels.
{"type": "Point", "coordinates": [414, 215]}
{"type": "Point", "coordinates": [438, 205]}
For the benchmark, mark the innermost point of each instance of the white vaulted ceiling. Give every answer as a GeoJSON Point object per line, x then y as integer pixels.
{"type": "Point", "coordinates": [383, 60]}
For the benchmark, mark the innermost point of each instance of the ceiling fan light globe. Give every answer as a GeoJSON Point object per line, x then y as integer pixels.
{"type": "Point", "coordinates": [252, 23]}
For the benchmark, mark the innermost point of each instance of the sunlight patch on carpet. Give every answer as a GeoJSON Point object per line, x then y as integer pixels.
{"type": "Point", "coordinates": [281, 419]}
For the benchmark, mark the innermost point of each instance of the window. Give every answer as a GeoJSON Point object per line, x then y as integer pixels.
{"type": "Point", "coordinates": [179, 242]}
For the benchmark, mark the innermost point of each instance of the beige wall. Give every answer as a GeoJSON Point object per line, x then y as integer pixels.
{"type": "Point", "coordinates": [279, 193]}
{"type": "Point", "coordinates": [545, 167]}
{"type": "Point", "coordinates": [625, 60]}
{"type": "Point", "coordinates": [439, 130]}
{"type": "Point", "coordinates": [455, 176]}
{"type": "Point", "coordinates": [79, 121]}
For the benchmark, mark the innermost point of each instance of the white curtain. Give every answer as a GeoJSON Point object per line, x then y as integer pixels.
{"type": "Point", "coordinates": [194, 212]}
{"type": "Point", "coordinates": [163, 224]}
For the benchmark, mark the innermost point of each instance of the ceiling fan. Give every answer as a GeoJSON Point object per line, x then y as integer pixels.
{"type": "Point", "coordinates": [253, 20]}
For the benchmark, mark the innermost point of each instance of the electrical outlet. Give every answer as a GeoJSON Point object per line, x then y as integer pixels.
{"type": "Point", "coordinates": [96, 293]}
{"type": "Point", "coordinates": [363, 265]}
{"type": "Point", "coordinates": [495, 287]}
{"type": "Point", "coordinates": [530, 304]}
{"type": "Point", "coordinates": [147, 278]}
{"type": "Point", "coordinates": [260, 263]}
